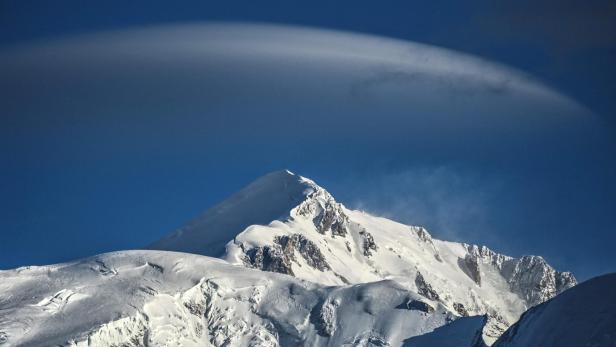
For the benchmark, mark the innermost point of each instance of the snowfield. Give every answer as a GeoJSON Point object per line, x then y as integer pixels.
{"type": "Point", "coordinates": [318, 239]}
{"type": "Point", "coordinates": [157, 298]}
{"type": "Point", "coordinates": [281, 263]}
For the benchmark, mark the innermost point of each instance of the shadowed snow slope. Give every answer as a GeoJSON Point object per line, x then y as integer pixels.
{"type": "Point", "coordinates": [462, 332]}
{"type": "Point", "coordinates": [584, 315]}
{"type": "Point", "coordinates": [155, 298]}
{"type": "Point", "coordinates": [266, 199]}
{"type": "Point", "coordinates": [288, 224]}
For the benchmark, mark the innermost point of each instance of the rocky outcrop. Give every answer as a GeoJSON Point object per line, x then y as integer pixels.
{"type": "Point", "coordinates": [424, 288]}
{"type": "Point", "coordinates": [269, 258]}
{"type": "Point", "coordinates": [460, 309]}
{"type": "Point", "coordinates": [324, 317]}
{"type": "Point", "coordinates": [423, 234]}
{"type": "Point", "coordinates": [470, 266]}
{"type": "Point", "coordinates": [329, 218]}
{"type": "Point", "coordinates": [534, 280]}
{"type": "Point", "coordinates": [280, 256]}
{"type": "Point", "coordinates": [326, 214]}
{"type": "Point", "coordinates": [368, 244]}
{"type": "Point", "coordinates": [418, 306]}
{"type": "Point", "coordinates": [306, 248]}
{"type": "Point", "coordinates": [530, 277]}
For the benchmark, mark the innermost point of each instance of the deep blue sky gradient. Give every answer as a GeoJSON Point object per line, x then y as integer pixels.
{"type": "Point", "coordinates": [67, 196]}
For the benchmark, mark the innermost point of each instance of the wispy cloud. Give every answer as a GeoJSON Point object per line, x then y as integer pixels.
{"type": "Point", "coordinates": [454, 204]}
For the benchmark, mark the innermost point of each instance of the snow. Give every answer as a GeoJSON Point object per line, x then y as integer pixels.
{"type": "Point", "coordinates": [461, 332]}
{"type": "Point", "coordinates": [177, 299]}
{"type": "Point", "coordinates": [584, 315]}
{"type": "Point", "coordinates": [269, 198]}
{"type": "Point", "coordinates": [402, 252]}
{"type": "Point", "coordinates": [355, 279]}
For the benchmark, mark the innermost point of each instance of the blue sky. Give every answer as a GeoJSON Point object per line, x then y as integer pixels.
{"type": "Point", "coordinates": [121, 179]}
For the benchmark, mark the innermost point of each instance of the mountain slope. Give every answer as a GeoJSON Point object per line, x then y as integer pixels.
{"type": "Point", "coordinates": [317, 239]}
{"type": "Point", "coordinates": [465, 331]}
{"type": "Point", "coordinates": [295, 268]}
{"type": "Point", "coordinates": [154, 298]}
{"type": "Point", "coordinates": [266, 199]}
{"type": "Point", "coordinates": [584, 315]}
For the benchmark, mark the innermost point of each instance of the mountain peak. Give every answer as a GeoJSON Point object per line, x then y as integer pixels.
{"type": "Point", "coordinates": [268, 198]}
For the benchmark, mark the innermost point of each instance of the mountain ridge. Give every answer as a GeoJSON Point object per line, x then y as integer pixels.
{"type": "Point", "coordinates": [293, 267]}
{"type": "Point", "coordinates": [318, 239]}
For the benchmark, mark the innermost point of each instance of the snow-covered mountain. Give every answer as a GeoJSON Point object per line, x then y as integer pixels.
{"type": "Point", "coordinates": [280, 263]}
{"type": "Point", "coordinates": [286, 223]}
{"type": "Point", "coordinates": [581, 316]}
{"type": "Point", "coordinates": [156, 298]}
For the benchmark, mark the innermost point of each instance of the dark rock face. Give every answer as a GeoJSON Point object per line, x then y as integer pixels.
{"type": "Point", "coordinates": [470, 266]}
{"type": "Point", "coordinates": [270, 259]}
{"type": "Point", "coordinates": [416, 305]}
{"type": "Point", "coordinates": [279, 256]}
{"type": "Point", "coordinates": [331, 218]}
{"type": "Point", "coordinates": [323, 316]}
{"type": "Point", "coordinates": [368, 243]}
{"type": "Point", "coordinates": [194, 308]}
{"type": "Point", "coordinates": [306, 248]}
{"type": "Point", "coordinates": [460, 309]}
{"type": "Point", "coordinates": [327, 215]}
{"type": "Point", "coordinates": [424, 288]}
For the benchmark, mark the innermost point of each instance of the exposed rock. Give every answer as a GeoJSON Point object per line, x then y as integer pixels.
{"type": "Point", "coordinates": [306, 248]}
{"type": "Point", "coordinates": [270, 259]}
{"type": "Point", "coordinates": [460, 309]}
{"type": "Point", "coordinates": [424, 288]}
{"type": "Point", "coordinates": [424, 235]}
{"type": "Point", "coordinates": [195, 308]}
{"type": "Point", "coordinates": [487, 255]}
{"type": "Point", "coordinates": [534, 280]}
{"type": "Point", "coordinates": [327, 215]}
{"type": "Point", "coordinates": [531, 277]}
{"type": "Point", "coordinates": [564, 281]}
{"type": "Point", "coordinates": [470, 266]}
{"type": "Point", "coordinates": [155, 267]}
{"type": "Point", "coordinates": [368, 244]}
{"type": "Point", "coordinates": [324, 317]}
{"type": "Point", "coordinates": [330, 218]}
{"type": "Point", "coordinates": [416, 305]}
{"type": "Point", "coordinates": [342, 278]}
{"type": "Point", "coordinates": [102, 268]}
{"type": "Point", "coordinates": [279, 256]}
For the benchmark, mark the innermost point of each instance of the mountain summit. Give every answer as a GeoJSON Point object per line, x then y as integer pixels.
{"type": "Point", "coordinates": [269, 198]}
{"type": "Point", "coordinates": [285, 223]}
{"type": "Point", "coordinates": [281, 263]}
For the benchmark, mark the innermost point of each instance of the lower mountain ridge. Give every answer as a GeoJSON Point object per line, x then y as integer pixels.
{"type": "Point", "coordinates": [282, 263]}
